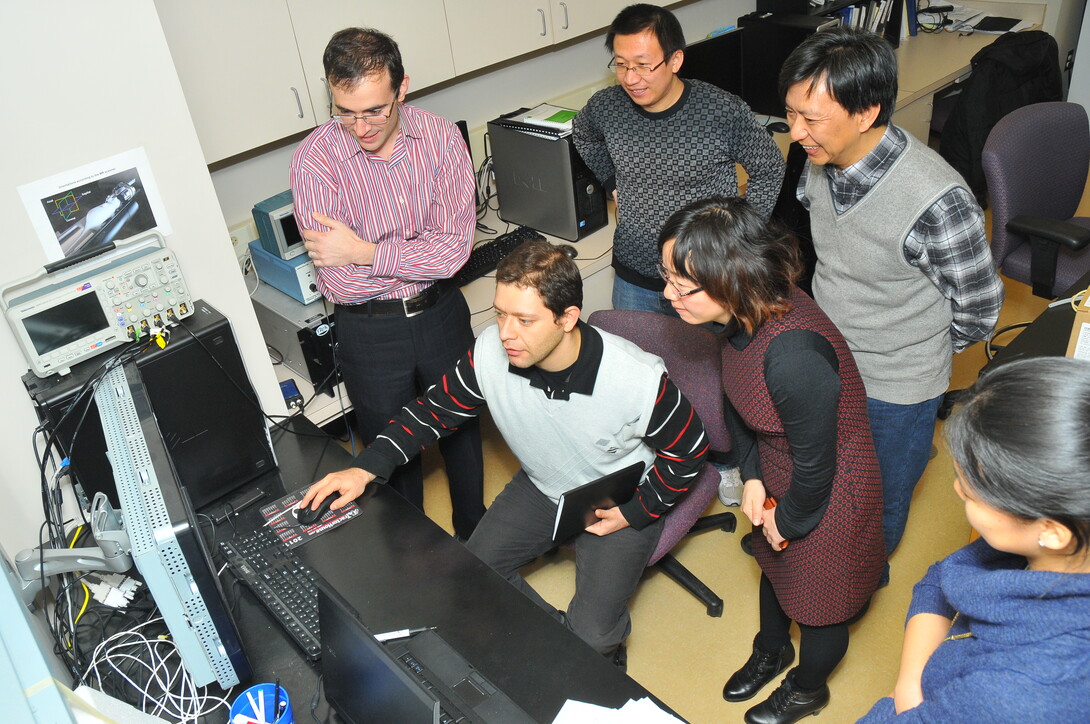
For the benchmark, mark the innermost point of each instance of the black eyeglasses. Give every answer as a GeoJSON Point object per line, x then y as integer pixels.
{"type": "Point", "coordinates": [666, 278]}
{"type": "Point", "coordinates": [641, 69]}
{"type": "Point", "coordinates": [371, 119]}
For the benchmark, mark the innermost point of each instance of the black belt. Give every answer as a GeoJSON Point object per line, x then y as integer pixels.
{"type": "Point", "coordinates": [407, 307]}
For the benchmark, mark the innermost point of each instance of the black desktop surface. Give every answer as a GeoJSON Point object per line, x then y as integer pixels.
{"type": "Point", "coordinates": [398, 569]}
{"type": "Point", "coordinates": [1047, 336]}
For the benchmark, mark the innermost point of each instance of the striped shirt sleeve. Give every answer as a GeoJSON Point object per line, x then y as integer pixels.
{"type": "Point", "coordinates": [677, 435]}
{"type": "Point", "coordinates": [452, 401]}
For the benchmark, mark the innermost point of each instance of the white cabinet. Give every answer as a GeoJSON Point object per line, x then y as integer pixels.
{"type": "Point", "coordinates": [483, 32]}
{"type": "Point", "coordinates": [419, 27]}
{"type": "Point", "coordinates": [572, 18]}
{"type": "Point", "coordinates": [251, 70]}
{"type": "Point", "coordinates": [240, 72]}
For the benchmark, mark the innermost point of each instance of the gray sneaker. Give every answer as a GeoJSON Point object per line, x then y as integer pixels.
{"type": "Point", "coordinates": [730, 486]}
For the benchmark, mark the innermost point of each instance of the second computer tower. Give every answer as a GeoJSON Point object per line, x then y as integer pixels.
{"type": "Point", "coordinates": [543, 183]}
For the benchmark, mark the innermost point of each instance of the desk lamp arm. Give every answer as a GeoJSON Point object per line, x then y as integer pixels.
{"type": "Point", "coordinates": [111, 554]}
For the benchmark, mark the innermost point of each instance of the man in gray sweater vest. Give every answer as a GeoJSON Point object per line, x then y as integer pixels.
{"type": "Point", "coordinates": [903, 265]}
{"type": "Point", "coordinates": [573, 403]}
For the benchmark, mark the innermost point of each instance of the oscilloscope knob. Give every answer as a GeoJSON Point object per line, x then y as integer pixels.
{"type": "Point", "coordinates": [141, 280]}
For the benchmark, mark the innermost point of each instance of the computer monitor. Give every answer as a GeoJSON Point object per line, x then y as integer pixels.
{"type": "Point", "coordinates": [165, 539]}
{"type": "Point", "coordinates": [716, 60]}
{"type": "Point", "coordinates": [276, 227]}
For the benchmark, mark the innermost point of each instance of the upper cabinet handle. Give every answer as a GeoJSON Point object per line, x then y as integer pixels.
{"type": "Point", "coordinates": [565, 6]}
{"type": "Point", "coordinates": [298, 101]}
{"type": "Point", "coordinates": [544, 28]}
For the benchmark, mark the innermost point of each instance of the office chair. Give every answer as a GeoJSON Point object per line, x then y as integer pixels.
{"type": "Point", "coordinates": [692, 357]}
{"type": "Point", "coordinates": [1036, 161]}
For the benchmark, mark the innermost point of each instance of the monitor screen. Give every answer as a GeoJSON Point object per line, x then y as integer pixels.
{"type": "Point", "coordinates": [65, 323]}
{"type": "Point", "coordinates": [716, 60]}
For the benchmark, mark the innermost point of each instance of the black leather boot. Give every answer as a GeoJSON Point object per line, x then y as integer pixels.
{"type": "Point", "coordinates": [788, 703]}
{"type": "Point", "coordinates": [761, 668]}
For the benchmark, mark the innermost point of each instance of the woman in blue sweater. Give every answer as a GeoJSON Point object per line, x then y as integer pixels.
{"type": "Point", "coordinates": [999, 631]}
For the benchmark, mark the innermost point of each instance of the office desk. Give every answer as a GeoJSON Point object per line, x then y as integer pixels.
{"type": "Point", "coordinates": [400, 570]}
{"type": "Point", "coordinates": [1046, 336]}
{"type": "Point", "coordinates": [929, 62]}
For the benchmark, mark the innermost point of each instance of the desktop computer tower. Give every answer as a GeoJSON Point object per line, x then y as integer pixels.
{"type": "Point", "coordinates": [206, 408]}
{"type": "Point", "coordinates": [542, 182]}
{"type": "Point", "coordinates": [303, 335]}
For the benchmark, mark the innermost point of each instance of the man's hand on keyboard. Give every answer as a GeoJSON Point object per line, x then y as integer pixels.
{"type": "Point", "coordinates": [348, 483]}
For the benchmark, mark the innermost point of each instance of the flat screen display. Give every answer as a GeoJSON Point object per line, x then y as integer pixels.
{"type": "Point", "coordinates": [65, 323]}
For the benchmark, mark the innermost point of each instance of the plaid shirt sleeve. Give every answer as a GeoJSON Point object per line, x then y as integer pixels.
{"type": "Point", "coordinates": [949, 246]}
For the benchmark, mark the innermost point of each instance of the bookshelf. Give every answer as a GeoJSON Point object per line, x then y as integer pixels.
{"type": "Point", "coordinates": [867, 14]}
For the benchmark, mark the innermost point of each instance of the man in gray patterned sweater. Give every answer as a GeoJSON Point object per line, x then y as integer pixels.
{"type": "Point", "coordinates": [658, 142]}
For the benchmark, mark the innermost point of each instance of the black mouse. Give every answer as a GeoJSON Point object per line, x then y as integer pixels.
{"type": "Point", "coordinates": [778, 127]}
{"type": "Point", "coordinates": [306, 516]}
{"type": "Point", "coordinates": [569, 250]}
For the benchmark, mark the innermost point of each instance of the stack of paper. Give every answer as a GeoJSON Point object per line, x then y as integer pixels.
{"type": "Point", "coordinates": [643, 711]}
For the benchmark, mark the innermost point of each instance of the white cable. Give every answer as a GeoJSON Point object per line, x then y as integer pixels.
{"type": "Point", "coordinates": [165, 670]}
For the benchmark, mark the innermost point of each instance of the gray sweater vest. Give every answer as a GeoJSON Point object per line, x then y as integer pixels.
{"type": "Point", "coordinates": [896, 322]}
{"type": "Point", "coordinates": [562, 444]}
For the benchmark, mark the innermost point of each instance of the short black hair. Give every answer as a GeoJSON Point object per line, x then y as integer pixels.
{"type": "Point", "coordinates": [640, 17]}
{"type": "Point", "coordinates": [858, 69]}
{"type": "Point", "coordinates": [1021, 444]}
{"type": "Point", "coordinates": [546, 269]}
{"type": "Point", "coordinates": [353, 54]}
{"type": "Point", "coordinates": [746, 264]}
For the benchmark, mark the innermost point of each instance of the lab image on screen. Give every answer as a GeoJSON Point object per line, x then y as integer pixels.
{"type": "Point", "coordinates": [73, 320]}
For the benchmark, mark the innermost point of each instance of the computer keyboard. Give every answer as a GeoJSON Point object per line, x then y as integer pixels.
{"type": "Point", "coordinates": [282, 582]}
{"type": "Point", "coordinates": [449, 713]}
{"type": "Point", "coordinates": [485, 257]}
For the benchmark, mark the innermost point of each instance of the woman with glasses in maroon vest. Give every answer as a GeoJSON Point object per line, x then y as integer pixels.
{"type": "Point", "coordinates": [798, 416]}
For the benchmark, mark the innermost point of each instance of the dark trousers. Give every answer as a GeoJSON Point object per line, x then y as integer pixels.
{"type": "Point", "coordinates": [820, 647]}
{"type": "Point", "coordinates": [518, 528]}
{"type": "Point", "coordinates": [387, 361]}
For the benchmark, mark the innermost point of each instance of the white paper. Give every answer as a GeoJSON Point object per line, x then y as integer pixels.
{"type": "Point", "coordinates": [643, 711]}
{"type": "Point", "coordinates": [107, 200]}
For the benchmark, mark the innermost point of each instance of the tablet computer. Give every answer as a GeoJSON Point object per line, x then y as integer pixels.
{"type": "Point", "coordinates": [576, 508]}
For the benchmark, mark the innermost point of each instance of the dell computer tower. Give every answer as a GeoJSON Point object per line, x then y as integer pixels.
{"type": "Point", "coordinates": [542, 182]}
{"type": "Point", "coordinates": [207, 410]}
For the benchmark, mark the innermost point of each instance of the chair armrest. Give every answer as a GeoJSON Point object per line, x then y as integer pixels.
{"type": "Point", "coordinates": [1073, 236]}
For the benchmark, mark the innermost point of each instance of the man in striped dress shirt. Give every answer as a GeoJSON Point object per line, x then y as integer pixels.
{"type": "Point", "coordinates": [542, 373]}
{"type": "Point", "coordinates": [384, 198]}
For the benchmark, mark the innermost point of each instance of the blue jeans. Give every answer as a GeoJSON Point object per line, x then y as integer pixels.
{"type": "Point", "coordinates": [902, 442]}
{"type": "Point", "coordinates": [629, 296]}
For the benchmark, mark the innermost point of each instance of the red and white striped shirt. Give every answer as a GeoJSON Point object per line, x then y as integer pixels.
{"type": "Point", "coordinates": [417, 207]}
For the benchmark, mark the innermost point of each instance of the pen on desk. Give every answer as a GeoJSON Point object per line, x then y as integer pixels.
{"type": "Point", "coordinates": [402, 633]}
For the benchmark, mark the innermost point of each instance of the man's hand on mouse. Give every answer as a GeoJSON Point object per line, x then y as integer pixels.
{"type": "Point", "coordinates": [349, 483]}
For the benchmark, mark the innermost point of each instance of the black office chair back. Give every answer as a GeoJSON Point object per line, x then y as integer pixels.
{"type": "Point", "coordinates": [1016, 70]}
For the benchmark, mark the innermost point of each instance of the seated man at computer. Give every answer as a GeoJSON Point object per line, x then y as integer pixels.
{"type": "Point", "coordinates": [542, 373]}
